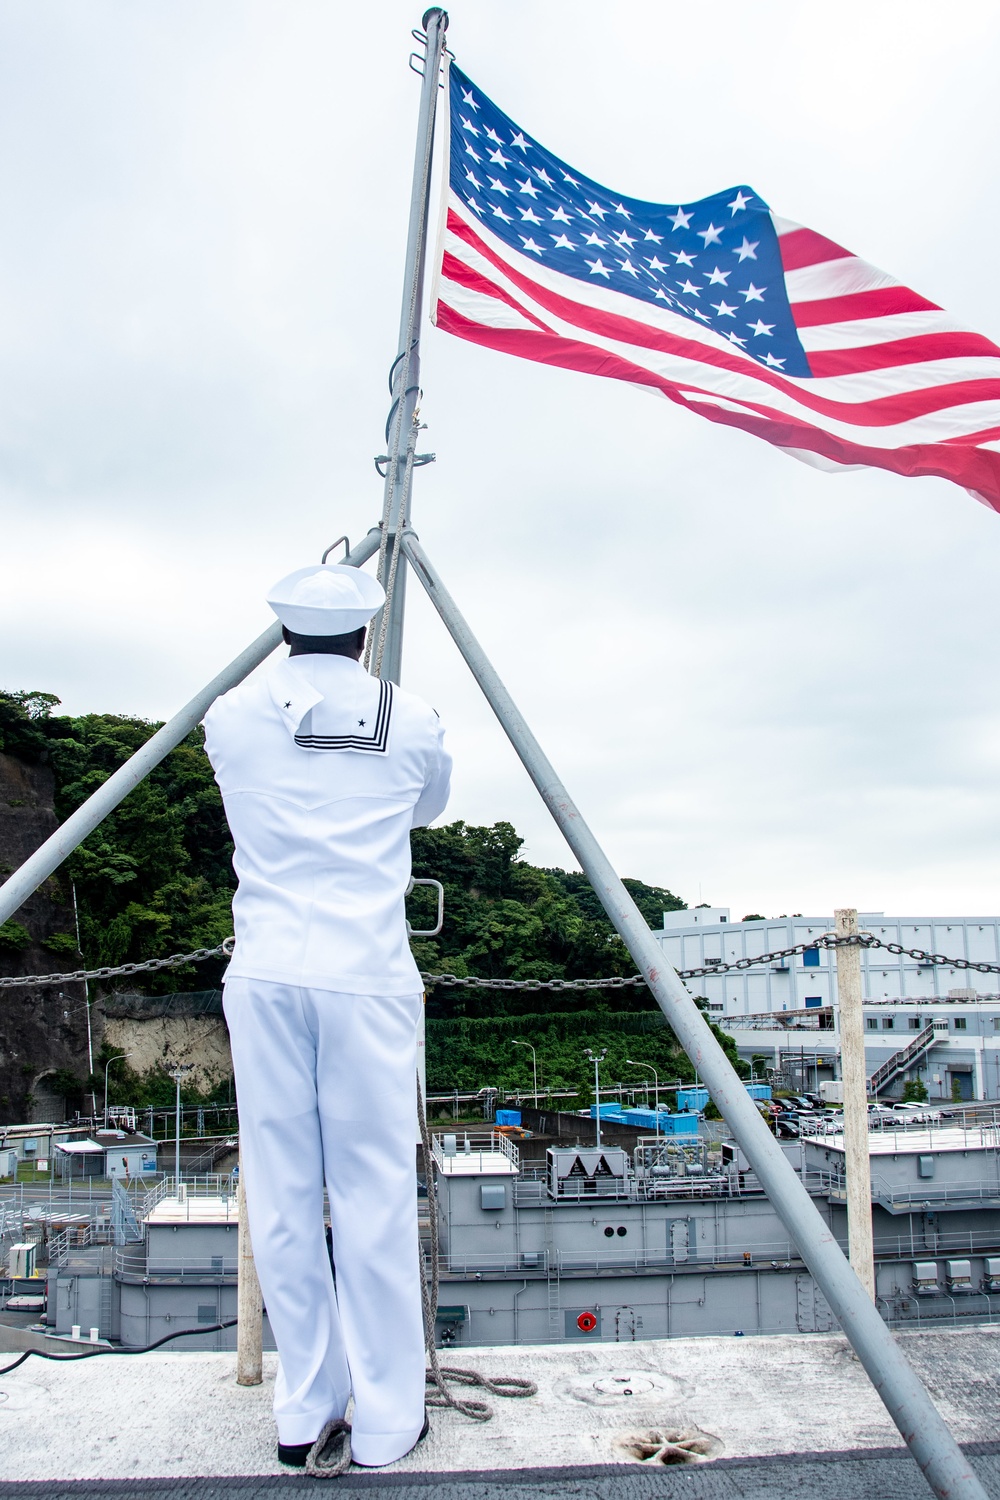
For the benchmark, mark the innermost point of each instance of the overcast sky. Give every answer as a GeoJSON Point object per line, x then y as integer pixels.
{"type": "Point", "coordinates": [768, 688]}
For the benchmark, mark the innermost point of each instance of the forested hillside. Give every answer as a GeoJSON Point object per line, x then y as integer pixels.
{"type": "Point", "coordinates": [156, 879]}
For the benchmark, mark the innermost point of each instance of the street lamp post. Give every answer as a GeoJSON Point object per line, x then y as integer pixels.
{"type": "Point", "coordinates": [120, 1058]}
{"type": "Point", "coordinates": [177, 1075]}
{"type": "Point", "coordinates": [534, 1067]}
{"type": "Point", "coordinates": [597, 1058]}
{"type": "Point", "coordinates": [656, 1085]}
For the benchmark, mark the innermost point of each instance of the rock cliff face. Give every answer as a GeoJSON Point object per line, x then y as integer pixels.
{"type": "Point", "coordinates": [198, 1042]}
{"type": "Point", "coordinates": [186, 1028]}
{"type": "Point", "coordinates": [41, 1030]}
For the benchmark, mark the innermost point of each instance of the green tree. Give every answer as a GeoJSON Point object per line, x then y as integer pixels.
{"type": "Point", "coordinates": [156, 878]}
{"type": "Point", "coordinates": [14, 938]}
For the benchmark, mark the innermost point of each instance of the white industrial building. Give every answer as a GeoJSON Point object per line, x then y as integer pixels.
{"type": "Point", "coordinates": [935, 1022]}
{"type": "Point", "coordinates": [705, 936]}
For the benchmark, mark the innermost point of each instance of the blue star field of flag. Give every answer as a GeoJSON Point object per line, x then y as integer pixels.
{"type": "Point", "coordinates": [715, 262]}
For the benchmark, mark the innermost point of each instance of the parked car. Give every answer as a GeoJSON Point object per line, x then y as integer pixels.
{"type": "Point", "coordinates": [913, 1113]}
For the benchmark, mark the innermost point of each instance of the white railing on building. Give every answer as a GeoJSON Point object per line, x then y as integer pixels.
{"type": "Point", "coordinates": [475, 1147]}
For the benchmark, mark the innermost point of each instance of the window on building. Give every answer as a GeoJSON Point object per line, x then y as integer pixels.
{"type": "Point", "coordinates": [872, 1024]}
{"type": "Point", "coordinates": [960, 1023]}
{"type": "Point", "coordinates": [888, 1022]}
{"type": "Point", "coordinates": [813, 1001]}
{"type": "Point", "coordinates": [810, 958]}
{"type": "Point", "coordinates": [996, 1023]}
{"type": "Point", "coordinates": [914, 1023]}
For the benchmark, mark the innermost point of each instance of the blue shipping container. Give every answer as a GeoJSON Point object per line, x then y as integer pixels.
{"type": "Point", "coordinates": [759, 1090]}
{"type": "Point", "coordinates": [614, 1108]}
{"type": "Point", "coordinates": [508, 1117]}
{"type": "Point", "coordinates": [682, 1124]}
{"type": "Point", "coordinates": [693, 1098]}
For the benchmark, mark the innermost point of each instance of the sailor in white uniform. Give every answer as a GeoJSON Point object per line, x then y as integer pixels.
{"type": "Point", "coordinates": [324, 770]}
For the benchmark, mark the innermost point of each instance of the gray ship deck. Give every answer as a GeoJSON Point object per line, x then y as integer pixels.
{"type": "Point", "coordinates": [790, 1415]}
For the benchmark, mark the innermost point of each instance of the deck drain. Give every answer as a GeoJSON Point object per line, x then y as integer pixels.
{"type": "Point", "coordinates": [620, 1387]}
{"type": "Point", "coordinates": [670, 1445]}
{"type": "Point", "coordinates": [624, 1384]}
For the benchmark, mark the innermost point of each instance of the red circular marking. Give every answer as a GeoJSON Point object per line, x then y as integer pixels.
{"type": "Point", "coordinates": [586, 1322]}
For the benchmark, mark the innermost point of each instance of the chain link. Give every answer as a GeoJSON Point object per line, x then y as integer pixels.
{"type": "Point", "coordinates": [39, 981]}
{"type": "Point", "coordinates": [475, 981]}
{"type": "Point", "coordinates": [828, 940]}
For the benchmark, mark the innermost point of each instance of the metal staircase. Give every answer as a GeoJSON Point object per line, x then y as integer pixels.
{"type": "Point", "coordinates": [900, 1061]}
{"type": "Point", "coordinates": [125, 1225]}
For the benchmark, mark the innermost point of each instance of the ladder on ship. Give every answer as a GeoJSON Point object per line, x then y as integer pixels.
{"type": "Point", "coordinates": [552, 1288]}
{"type": "Point", "coordinates": [107, 1282]}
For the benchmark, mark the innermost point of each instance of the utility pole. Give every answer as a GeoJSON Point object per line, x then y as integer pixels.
{"type": "Point", "coordinates": [857, 1162]}
{"type": "Point", "coordinates": [86, 1001]}
{"type": "Point", "coordinates": [597, 1058]}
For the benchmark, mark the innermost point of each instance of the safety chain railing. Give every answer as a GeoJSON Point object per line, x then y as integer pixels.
{"type": "Point", "coordinates": [476, 981]}
{"type": "Point", "coordinates": [176, 961]}
{"type": "Point", "coordinates": [828, 940]}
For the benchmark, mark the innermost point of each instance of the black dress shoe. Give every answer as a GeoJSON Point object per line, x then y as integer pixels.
{"type": "Point", "coordinates": [294, 1454]}
{"type": "Point", "coordinates": [423, 1433]}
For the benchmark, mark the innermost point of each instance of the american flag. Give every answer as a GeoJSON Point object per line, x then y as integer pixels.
{"type": "Point", "coordinates": [719, 305]}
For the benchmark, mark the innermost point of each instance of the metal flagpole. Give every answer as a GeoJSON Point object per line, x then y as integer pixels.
{"type": "Point", "coordinates": [946, 1468]}
{"type": "Point", "coordinates": [49, 856]}
{"type": "Point", "coordinates": [385, 649]}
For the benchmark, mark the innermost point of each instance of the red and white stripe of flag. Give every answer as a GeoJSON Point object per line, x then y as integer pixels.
{"type": "Point", "coordinates": [896, 384]}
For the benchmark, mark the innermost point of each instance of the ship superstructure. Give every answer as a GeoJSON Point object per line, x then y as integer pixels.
{"type": "Point", "coordinates": [676, 1238]}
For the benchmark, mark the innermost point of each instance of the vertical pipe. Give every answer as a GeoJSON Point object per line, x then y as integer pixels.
{"type": "Point", "coordinates": [947, 1470]}
{"type": "Point", "coordinates": [405, 383]}
{"type": "Point", "coordinates": [597, 1096]}
{"type": "Point", "coordinates": [854, 1075]}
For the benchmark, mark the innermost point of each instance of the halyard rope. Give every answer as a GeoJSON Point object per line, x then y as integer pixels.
{"type": "Point", "coordinates": [439, 1375]}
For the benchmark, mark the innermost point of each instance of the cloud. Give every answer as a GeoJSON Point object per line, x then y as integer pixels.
{"type": "Point", "coordinates": [768, 687]}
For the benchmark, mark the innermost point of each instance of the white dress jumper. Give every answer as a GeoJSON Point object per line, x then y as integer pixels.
{"type": "Point", "coordinates": [324, 770]}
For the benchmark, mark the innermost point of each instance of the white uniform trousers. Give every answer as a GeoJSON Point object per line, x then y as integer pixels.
{"type": "Point", "coordinates": [326, 1089]}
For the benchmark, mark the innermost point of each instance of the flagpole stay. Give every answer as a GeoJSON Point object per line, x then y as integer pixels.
{"type": "Point", "coordinates": [385, 645]}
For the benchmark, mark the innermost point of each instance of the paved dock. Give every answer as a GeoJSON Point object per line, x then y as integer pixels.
{"type": "Point", "coordinates": [771, 1416]}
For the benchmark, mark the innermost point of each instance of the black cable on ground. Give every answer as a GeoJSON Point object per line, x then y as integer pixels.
{"type": "Point", "coordinates": [93, 1353]}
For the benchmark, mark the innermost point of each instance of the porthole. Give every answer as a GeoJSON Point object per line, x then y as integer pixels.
{"type": "Point", "coordinates": [609, 1232]}
{"type": "Point", "coordinates": [622, 1229]}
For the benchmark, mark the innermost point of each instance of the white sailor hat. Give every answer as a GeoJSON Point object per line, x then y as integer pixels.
{"type": "Point", "coordinates": [326, 599]}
